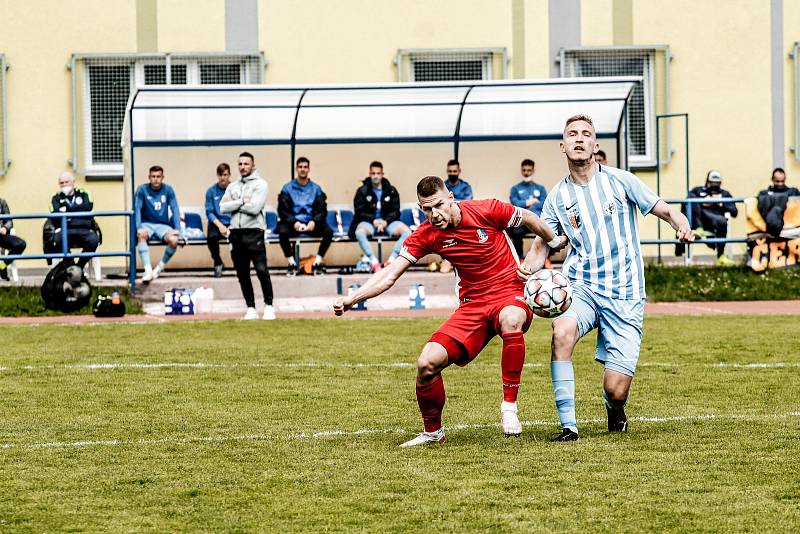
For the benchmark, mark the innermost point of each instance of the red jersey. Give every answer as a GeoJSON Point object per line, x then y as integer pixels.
{"type": "Point", "coordinates": [479, 248]}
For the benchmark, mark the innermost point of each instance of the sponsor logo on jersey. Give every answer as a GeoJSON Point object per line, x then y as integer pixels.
{"type": "Point", "coordinates": [609, 207]}
{"type": "Point", "coordinates": [574, 217]}
{"type": "Point", "coordinates": [449, 242]}
{"type": "Point", "coordinates": [482, 237]}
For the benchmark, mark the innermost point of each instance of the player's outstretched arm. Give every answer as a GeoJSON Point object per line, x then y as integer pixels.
{"type": "Point", "coordinates": [674, 218]}
{"type": "Point", "coordinates": [374, 286]}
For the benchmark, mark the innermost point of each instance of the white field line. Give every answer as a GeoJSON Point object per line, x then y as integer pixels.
{"type": "Point", "coordinates": [345, 365]}
{"type": "Point", "coordinates": [308, 436]}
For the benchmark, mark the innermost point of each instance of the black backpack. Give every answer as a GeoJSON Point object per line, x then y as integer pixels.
{"type": "Point", "coordinates": [108, 306]}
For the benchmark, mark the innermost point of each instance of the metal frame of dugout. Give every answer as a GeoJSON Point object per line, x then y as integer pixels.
{"type": "Point", "coordinates": [450, 112]}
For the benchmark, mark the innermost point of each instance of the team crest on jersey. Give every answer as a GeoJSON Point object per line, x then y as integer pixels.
{"type": "Point", "coordinates": [574, 218]}
{"type": "Point", "coordinates": [482, 237]}
{"type": "Point", "coordinates": [609, 208]}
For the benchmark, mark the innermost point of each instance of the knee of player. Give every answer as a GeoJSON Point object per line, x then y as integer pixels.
{"type": "Point", "coordinates": [512, 319]}
{"type": "Point", "coordinates": [427, 365]}
{"type": "Point", "coordinates": [563, 333]}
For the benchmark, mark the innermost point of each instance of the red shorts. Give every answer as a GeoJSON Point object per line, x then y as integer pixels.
{"type": "Point", "coordinates": [474, 324]}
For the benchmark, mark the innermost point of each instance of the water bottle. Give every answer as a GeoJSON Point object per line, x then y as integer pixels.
{"type": "Point", "coordinates": [352, 289]}
{"type": "Point", "coordinates": [416, 297]}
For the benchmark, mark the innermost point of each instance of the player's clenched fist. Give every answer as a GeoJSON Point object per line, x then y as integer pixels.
{"type": "Point", "coordinates": [341, 305]}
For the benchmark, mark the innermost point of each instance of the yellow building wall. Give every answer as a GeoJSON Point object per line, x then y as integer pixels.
{"type": "Point", "coordinates": [597, 22]}
{"type": "Point", "coordinates": [722, 79]}
{"type": "Point", "coordinates": [38, 45]}
{"type": "Point", "coordinates": [191, 25]}
{"type": "Point", "coordinates": [720, 75]}
{"type": "Point", "coordinates": [537, 51]}
{"type": "Point", "coordinates": [791, 34]}
{"type": "Point", "coordinates": [349, 41]}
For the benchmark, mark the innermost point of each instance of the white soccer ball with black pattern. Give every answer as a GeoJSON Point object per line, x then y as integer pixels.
{"type": "Point", "coordinates": [548, 293]}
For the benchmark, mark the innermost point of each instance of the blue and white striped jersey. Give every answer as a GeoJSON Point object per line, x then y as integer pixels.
{"type": "Point", "coordinates": [600, 220]}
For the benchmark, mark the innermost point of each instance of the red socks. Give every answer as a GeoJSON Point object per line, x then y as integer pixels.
{"type": "Point", "coordinates": [430, 398]}
{"type": "Point", "coordinates": [511, 363]}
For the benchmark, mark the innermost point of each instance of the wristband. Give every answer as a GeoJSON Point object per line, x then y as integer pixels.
{"type": "Point", "coordinates": [553, 243]}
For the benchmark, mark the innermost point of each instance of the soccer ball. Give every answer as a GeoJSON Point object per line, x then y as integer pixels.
{"type": "Point", "coordinates": [548, 293]}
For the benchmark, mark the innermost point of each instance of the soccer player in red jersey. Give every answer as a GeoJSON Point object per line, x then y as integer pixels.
{"type": "Point", "coordinates": [471, 235]}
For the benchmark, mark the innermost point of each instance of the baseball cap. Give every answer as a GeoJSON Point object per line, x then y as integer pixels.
{"type": "Point", "coordinates": [714, 176]}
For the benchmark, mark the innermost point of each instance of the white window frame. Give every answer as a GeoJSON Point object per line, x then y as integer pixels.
{"type": "Point", "coordinates": [406, 57]}
{"type": "Point", "coordinates": [136, 64]}
{"type": "Point", "coordinates": [648, 159]}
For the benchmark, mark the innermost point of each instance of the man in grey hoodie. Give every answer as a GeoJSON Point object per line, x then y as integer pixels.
{"type": "Point", "coordinates": [244, 200]}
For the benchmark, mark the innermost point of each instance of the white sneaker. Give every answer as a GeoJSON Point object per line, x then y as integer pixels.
{"type": "Point", "coordinates": [269, 313]}
{"type": "Point", "coordinates": [508, 415]}
{"type": "Point", "coordinates": [157, 271]}
{"type": "Point", "coordinates": [250, 314]}
{"type": "Point", "coordinates": [148, 274]}
{"type": "Point", "coordinates": [426, 438]}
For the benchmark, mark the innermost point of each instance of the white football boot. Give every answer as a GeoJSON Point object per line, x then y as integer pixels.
{"type": "Point", "coordinates": [426, 438]}
{"type": "Point", "coordinates": [269, 313]}
{"type": "Point", "coordinates": [250, 314]}
{"type": "Point", "coordinates": [147, 276]}
{"type": "Point", "coordinates": [508, 415]}
{"type": "Point", "coordinates": [157, 270]}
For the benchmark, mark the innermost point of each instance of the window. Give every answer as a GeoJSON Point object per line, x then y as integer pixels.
{"type": "Point", "coordinates": [588, 62]}
{"type": "Point", "coordinates": [109, 80]}
{"type": "Point", "coordinates": [451, 65]}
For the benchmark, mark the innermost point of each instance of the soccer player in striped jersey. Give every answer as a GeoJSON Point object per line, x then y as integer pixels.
{"type": "Point", "coordinates": [595, 207]}
{"type": "Point", "coordinates": [471, 235]}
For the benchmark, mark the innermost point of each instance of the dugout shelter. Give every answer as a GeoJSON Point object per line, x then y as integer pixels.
{"type": "Point", "coordinates": [413, 129]}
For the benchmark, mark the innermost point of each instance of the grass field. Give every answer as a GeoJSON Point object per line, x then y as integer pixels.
{"type": "Point", "coordinates": [294, 426]}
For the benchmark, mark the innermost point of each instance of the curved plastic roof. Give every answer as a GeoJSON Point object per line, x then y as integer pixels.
{"type": "Point", "coordinates": [463, 111]}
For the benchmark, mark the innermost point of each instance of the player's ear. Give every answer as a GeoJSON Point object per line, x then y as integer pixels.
{"type": "Point", "coordinates": [596, 148]}
{"type": "Point", "coordinates": [562, 147]}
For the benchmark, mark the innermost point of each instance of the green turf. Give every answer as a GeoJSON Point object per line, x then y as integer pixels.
{"type": "Point", "coordinates": [678, 283]}
{"type": "Point", "coordinates": [26, 301]}
{"type": "Point", "coordinates": [233, 447]}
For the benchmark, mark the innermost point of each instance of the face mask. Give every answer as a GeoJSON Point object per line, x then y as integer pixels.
{"type": "Point", "coordinates": [714, 188]}
{"type": "Point", "coordinates": [527, 179]}
{"type": "Point", "coordinates": [66, 190]}
{"type": "Point", "coordinates": [779, 188]}
{"type": "Point", "coordinates": [452, 177]}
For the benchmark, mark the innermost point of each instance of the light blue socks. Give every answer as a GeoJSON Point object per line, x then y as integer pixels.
{"type": "Point", "coordinates": [563, 377]}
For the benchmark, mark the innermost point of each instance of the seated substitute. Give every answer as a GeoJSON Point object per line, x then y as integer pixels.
{"type": "Point", "coordinates": [302, 209]}
{"type": "Point", "coordinates": [528, 195]}
{"type": "Point", "coordinates": [377, 212]}
{"type": "Point", "coordinates": [10, 243]}
{"type": "Point", "coordinates": [712, 217]}
{"type": "Point", "coordinates": [82, 232]}
{"type": "Point", "coordinates": [156, 214]}
{"type": "Point", "coordinates": [218, 222]}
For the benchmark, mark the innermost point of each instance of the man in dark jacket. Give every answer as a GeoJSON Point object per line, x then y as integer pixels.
{"type": "Point", "coordinates": [377, 212]}
{"type": "Point", "coordinates": [772, 201]}
{"type": "Point", "coordinates": [712, 217]}
{"type": "Point", "coordinates": [302, 210]}
{"type": "Point", "coordinates": [81, 231]}
{"type": "Point", "coordinates": [10, 243]}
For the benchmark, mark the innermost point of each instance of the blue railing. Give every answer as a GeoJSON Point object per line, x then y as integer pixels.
{"type": "Point", "coordinates": [65, 251]}
{"type": "Point", "coordinates": [707, 241]}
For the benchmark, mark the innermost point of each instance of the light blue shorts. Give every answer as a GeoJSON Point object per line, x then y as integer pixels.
{"type": "Point", "coordinates": [618, 323]}
{"type": "Point", "coordinates": [157, 230]}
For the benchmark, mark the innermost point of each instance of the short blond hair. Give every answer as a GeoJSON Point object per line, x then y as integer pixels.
{"type": "Point", "coordinates": [579, 117]}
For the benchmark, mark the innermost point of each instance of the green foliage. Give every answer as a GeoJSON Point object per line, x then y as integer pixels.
{"type": "Point", "coordinates": [264, 435]}
{"type": "Point", "coordinates": [672, 284]}
{"type": "Point", "coordinates": [25, 301]}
